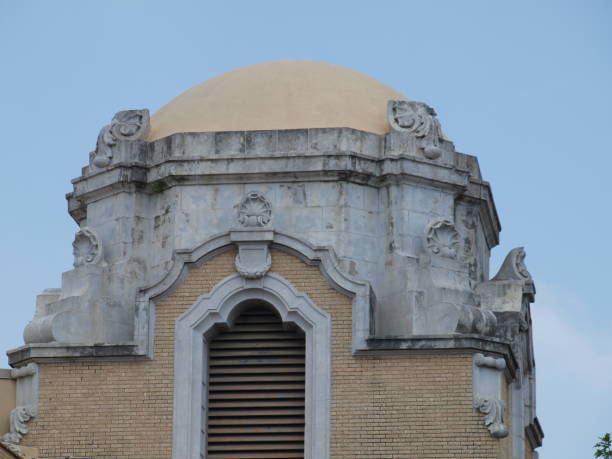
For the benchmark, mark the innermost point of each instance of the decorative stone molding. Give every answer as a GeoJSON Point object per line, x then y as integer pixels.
{"type": "Point", "coordinates": [254, 210]}
{"type": "Point", "coordinates": [195, 327]}
{"type": "Point", "coordinates": [86, 248]}
{"type": "Point", "coordinates": [18, 423]}
{"type": "Point", "coordinates": [487, 373]}
{"type": "Point", "coordinates": [418, 119]}
{"type": "Point", "coordinates": [513, 267]}
{"type": "Point", "coordinates": [125, 125]}
{"type": "Point", "coordinates": [442, 238]}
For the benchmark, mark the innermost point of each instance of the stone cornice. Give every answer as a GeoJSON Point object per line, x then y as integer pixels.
{"type": "Point", "coordinates": [392, 347]}
{"type": "Point", "coordinates": [443, 344]}
{"type": "Point", "coordinates": [335, 154]}
{"type": "Point", "coordinates": [58, 352]}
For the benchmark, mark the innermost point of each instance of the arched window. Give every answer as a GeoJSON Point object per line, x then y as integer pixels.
{"type": "Point", "coordinates": [256, 387]}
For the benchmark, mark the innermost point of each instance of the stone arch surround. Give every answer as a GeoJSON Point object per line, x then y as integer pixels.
{"type": "Point", "coordinates": [221, 306]}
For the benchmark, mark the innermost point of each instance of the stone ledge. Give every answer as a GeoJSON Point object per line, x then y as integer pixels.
{"type": "Point", "coordinates": [57, 352]}
{"type": "Point", "coordinates": [441, 344]}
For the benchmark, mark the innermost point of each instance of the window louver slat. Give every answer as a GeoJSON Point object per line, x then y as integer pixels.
{"type": "Point", "coordinates": [256, 390]}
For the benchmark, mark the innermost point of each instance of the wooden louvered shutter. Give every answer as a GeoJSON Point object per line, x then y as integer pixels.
{"type": "Point", "coordinates": [256, 389]}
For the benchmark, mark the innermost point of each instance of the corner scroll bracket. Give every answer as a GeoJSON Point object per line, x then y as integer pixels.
{"type": "Point", "coordinates": [125, 125]}
{"type": "Point", "coordinates": [27, 402]}
{"type": "Point", "coordinates": [487, 380]}
{"type": "Point", "coordinates": [419, 120]}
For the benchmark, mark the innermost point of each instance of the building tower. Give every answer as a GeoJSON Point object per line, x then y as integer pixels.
{"type": "Point", "coordinates": [288, 260]}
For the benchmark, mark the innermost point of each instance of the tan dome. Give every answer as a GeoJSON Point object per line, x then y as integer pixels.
{"type": "Point", "coordinates": [278, 95]}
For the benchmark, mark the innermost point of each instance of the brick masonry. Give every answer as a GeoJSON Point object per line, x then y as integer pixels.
{"type": "Point", "coordinates": [417, 406]}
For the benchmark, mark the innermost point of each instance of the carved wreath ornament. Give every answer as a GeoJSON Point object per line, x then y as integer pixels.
{"type": "Point", "coordinates": [255, 267]}
{"type": "Point", "coordinates": [442, 238]}
{"type": "Point", "coordinates": [254, 210]}
{"type": "Point", "coordinates": [420, 120]}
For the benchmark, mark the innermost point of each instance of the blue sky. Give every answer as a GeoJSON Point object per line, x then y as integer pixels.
{"type": "Point", "coordinates": [523, 85]}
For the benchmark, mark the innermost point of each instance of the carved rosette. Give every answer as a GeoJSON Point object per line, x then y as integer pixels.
{"type": "Point", "coordinates": [18, 423]}
{"type": "Point", "coordinates": [125, 125]}
{"type": "Point", "coordinates": [442, 238]}
{"type": "Point", "coordinates": [418, 119]}
{"type": "Point", "coordinates": [493, 409]}
{"type": "Point", "coordinates": [86, 248]}
{"type": "Point", "coordinates": [254, 210]}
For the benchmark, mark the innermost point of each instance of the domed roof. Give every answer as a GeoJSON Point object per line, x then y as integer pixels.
{"type": "Point", "coordinates": [278, 95]}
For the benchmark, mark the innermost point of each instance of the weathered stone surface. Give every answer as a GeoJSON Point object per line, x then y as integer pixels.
{"type": "Point", "coordinates": [372, 199]}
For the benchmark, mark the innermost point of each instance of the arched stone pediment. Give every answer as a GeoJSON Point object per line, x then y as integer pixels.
{"type": "Point", "coordinates": [363, 298]}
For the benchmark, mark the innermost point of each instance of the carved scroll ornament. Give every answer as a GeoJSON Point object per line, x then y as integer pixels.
{"type": "Point", "coordinates": [18, 423]}
{"type": "Point", "coordinates": [513, 267]}
{"type": "Point", "coordinates": [486, 386]}
{"type": "Point", "coordinates": [125, 125]}
{"type": "Point", "coordinates": [442, 238]}
{"type": "Point", "coordinates": [493, 409]}
{"type": "Point", "coordinates": [418, 119]}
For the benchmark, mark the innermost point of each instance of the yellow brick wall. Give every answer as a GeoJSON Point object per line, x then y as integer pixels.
{"type": "Point", "coordinates": [396, 407]}
{"type": "Point", "coordinates": [7, 402]}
